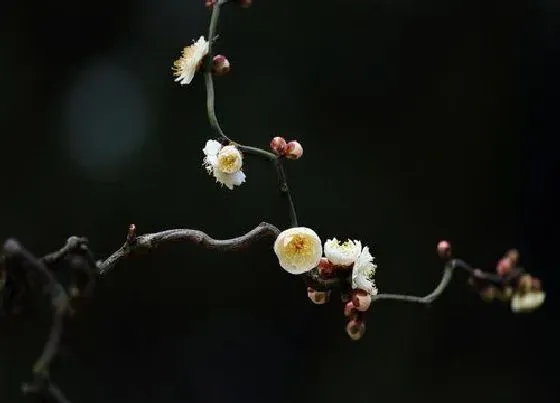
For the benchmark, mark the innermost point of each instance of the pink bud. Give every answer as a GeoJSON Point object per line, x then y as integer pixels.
{"type": "Point", "coordinates": [536, 284]}
{"type": "Point", "coordinates": [355, 329]}
{"type": "Point", "coordinates": [504, 266]}
{"type": "Point", "coordinates": [349, 309]}
{"type": "Point", "coordinates": [444, 249]}
{"type": "Point", "coordinates": [278, 145]}
{"type": "Point", "coordinates": [209, 3]}
{"type": "Point", "coordinates": [317, 297]}
{"type": "Point", "coordinates": [294, 150]}
{"type": "Point", "coordinates": [220, 65]}
{"type": "Point", "coordinates": [361, 300]}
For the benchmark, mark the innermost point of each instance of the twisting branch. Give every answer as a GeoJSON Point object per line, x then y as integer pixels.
{"type": "Point", "coordinates": [60, 300]}
{"type": "Point", "coordinates": [150, 241]}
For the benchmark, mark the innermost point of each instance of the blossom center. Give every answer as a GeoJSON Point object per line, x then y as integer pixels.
{"type": "Point", "coordinates": [297, 246]}
{"type": "Point", "coordinates": [228, 163]}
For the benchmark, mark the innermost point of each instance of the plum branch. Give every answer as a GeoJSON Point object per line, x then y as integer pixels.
{"type": "Point", "coordinates": [346, 268]}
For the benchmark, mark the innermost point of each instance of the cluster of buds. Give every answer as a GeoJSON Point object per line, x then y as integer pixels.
{"type": "Point", "coordinates": [242, 3]}
{"type": "Point", "coordinates": [291, 149]}
{"type": "Point", "coordinates": [300, 250]}
{"type": "Point", "coordinates": [523, 291]}
{"type": "Point", "coordinates": [352, 263]}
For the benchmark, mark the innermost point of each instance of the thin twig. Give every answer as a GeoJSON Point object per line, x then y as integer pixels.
{"type": "Point", "coordinates": [427, 299]}
{"type": "Point", "coordinates": [215, 124]}
{"type": "Point", "coordinates": [208, 74]}
{"type": "Point", "coordinates": [284, 188]}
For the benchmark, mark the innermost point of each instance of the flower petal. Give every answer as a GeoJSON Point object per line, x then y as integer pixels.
{"type": "Point", "coordinates": [212, 147]}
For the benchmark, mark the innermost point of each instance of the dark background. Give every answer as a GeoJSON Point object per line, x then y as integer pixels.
{"type": "Point", "coordinates": [421, 120]}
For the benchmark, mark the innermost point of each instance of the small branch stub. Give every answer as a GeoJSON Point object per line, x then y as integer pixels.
{"type": "Point", "coordinates": [131, 235]}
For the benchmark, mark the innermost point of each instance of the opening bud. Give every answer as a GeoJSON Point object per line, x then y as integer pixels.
{"type": "Point", "coordinates": [220, 65]}
{"type": "Point", "coordinates": [361, 300]}
{"type": "Point", "coordinates": [294, 150]}
{"type": "Point", "coordinates": [278, 145]}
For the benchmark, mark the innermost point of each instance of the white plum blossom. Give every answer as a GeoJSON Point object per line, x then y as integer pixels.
{"type": "Point", "coordinates": [363, 272]}
{"type": "Point", "coordinates": [190, 60]}
{"type": "Point", "coordinates": [298, 250]}
{"type": "Point", "coordinates": [342, 253]}
{"type": "Point", "coordinates": [224, 163]}
{"type": "Point", "coordinates": [527, 302]}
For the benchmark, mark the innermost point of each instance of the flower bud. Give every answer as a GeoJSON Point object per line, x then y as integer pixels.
{"type": "Point", "coordinates": [317, 297]}
{"type": "Point", "coordinates": [349, 309]}
{"type": "Point", "coordinates": [361, 300]}
{"type": "Point", "coordinates": [278, 145]}
{"type": "Point", "coordinates": [220, 65]}
{"type": "Point", "coordinates": [294, 150]}
{"type": "Point", "coordinates": [444, 249]}
{"type": "Point", "coordinates": [326, 269]}
{"type": "Point", "coordinates": [209, 3]}
{"type": "Point", "coordinates": [355, 329]}
{"type": "Point", "coordinates": [504, 266]}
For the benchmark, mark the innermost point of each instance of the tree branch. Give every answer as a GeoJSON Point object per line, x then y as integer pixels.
{"type": "Point", "coordinates": [151, 241]}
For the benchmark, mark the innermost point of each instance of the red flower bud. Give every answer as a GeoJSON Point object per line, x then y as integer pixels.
{"type": "Point", "coordinates": [504, 266]}
{"type": "Point", "coordinates": [294, 150]}
{"type": "Point", "coordinates": [444, 249]}
{"type": "Point", "coordinates": [220, 65]}
{"type": "Point", "coordinates": [278, 145]}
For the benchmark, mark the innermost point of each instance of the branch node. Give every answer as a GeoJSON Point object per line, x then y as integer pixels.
{"type": "Point", "coordinates": [131, 235]}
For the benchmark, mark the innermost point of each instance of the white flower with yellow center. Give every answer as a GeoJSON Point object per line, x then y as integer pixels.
{"type": "Point", "coordinates": [224, 163]}
{"type": "Point", "coordinates": [191, 58]}
{"type": "Point", "coordinates": [527, 302]}
{"type": "Point", "coordinates": [363, 272]}
{"type": "Point", "coordinates": [342, 254]}
{"type": "Point", "coordinates": [298, 250]}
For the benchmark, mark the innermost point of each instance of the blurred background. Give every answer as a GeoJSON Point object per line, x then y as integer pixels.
{"type": "Point", "coordinates": [421, 120]}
